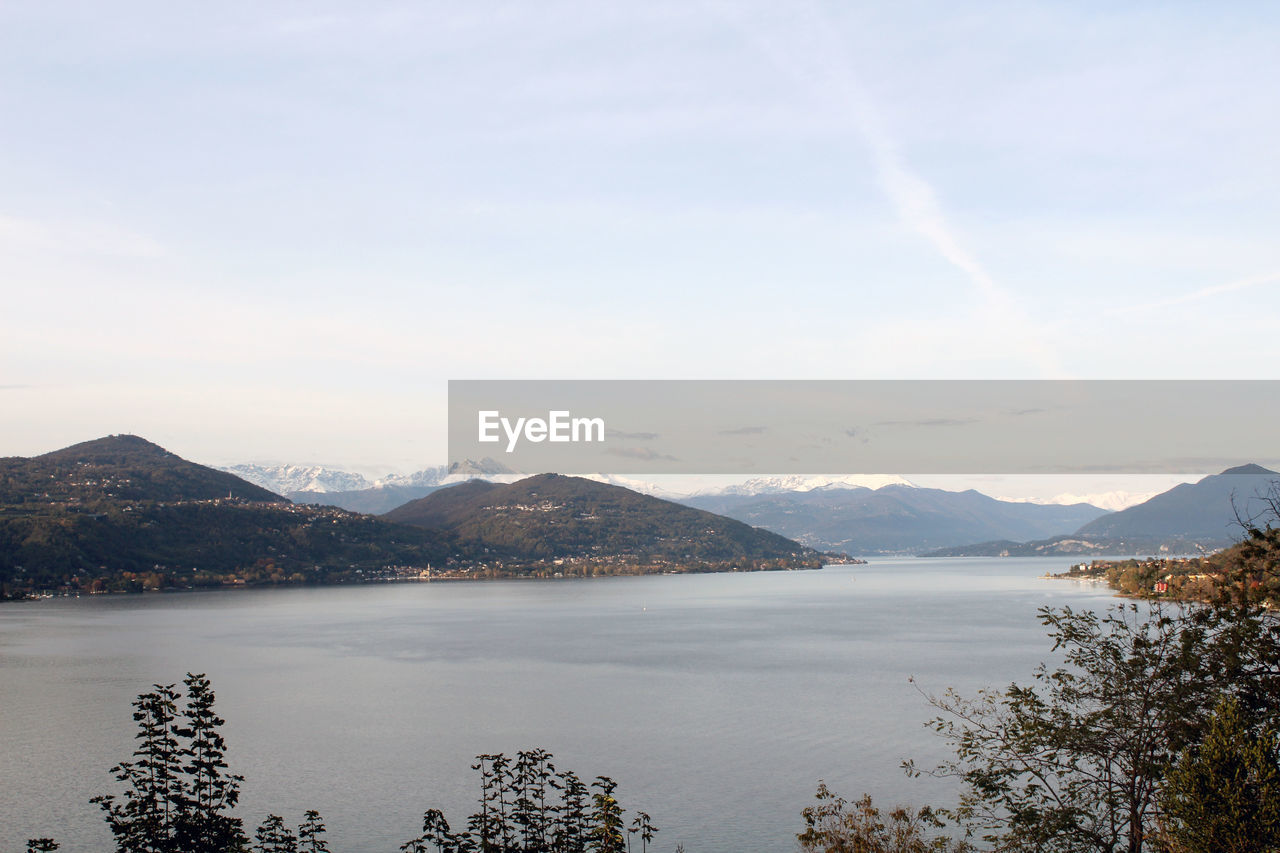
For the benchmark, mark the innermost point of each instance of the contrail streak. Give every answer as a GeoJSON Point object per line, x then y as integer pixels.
{"type": "Point", "coordinates": [816, 60]}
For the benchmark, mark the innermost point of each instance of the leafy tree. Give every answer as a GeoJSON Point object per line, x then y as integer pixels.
{"type": "Point", "coordinates": [533, 779]}
{"type": "Point", "coordinates": [436, 833]}
{"type": "Point", "coordinates": [643, 825]}
{"type": "Point", "coordinates": [520, 812]}
{"type": "Point", "coordinates": [274, 837]}
{"type": "Point", "coordinates": [606, 828]}
{"type": "Point", "coordinates": [571, 830]}
{"type": "Point", "coordinates": [489, 826]}
{"type": "Point", "coordinates": [1223, 796]}
{"type": "Point", "coordinates": [1074, 761]}
{"type": "Point", "coordinates": [837, 826]}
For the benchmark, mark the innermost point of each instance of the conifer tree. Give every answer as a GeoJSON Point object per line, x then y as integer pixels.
{"type": "Point", "coordinates": [1223, 795]}
{"type": "Point", "coordinates": [145, 819]}
{"type": "Point", "coordinates": [209, 791]}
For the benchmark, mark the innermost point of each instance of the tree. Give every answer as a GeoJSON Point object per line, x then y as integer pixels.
{"type": "Point", "coordinates": [274, 837]}
{"type": "Point", "coordinates": [643, 824]}
{"type": "Point", "coordinates": [606, 829]}
{"type": "Point", "coordinates": [311, 834]}
{"type": "Point", "coordinates": [146, 819]}
{"type": "Point", "coordinates": [1074, 761]}
{"type": "Point", "coordinates": [209, 792]}
{"type": "Point", "coordinates": [177, 797]}
{"type": "Point", "coordinates": [837, 826]}
{"type": "Point", "coordinates": [520, 812]}
{"type": "Point", "coordinates": [533, 779]}
{"type": "Point", "coordinates": [570, 835]}
{"type": "Point", "coordinates": [41, 845]}
{"type": "Point", "coordinates": [1223, 795]}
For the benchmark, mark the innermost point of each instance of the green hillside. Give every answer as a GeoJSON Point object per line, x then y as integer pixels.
{"type": "Point", "coordinates": [117, 468]}
{"type": "Point", "coordinates": [551, 517]}
{"type": "Point", "coordinates": [123, 513]}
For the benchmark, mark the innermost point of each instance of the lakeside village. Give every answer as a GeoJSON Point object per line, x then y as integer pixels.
{"type": "Point", "coordinates": [1200, 578]}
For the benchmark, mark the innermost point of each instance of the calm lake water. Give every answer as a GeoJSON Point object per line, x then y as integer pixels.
{"type": "Point", "coordinates": [716, 702]}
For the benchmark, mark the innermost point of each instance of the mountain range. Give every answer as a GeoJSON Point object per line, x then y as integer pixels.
{"type": "Point", "coordinates": [334, 487]}
{"type": "Point", "coordinates": [123, 513]}
{"type": "Point", "coordinates": [895, 518]}
{"type": "Point", "coordinates": [888, 515]}
{"type": "Point", "coordinates": [1189, 518]}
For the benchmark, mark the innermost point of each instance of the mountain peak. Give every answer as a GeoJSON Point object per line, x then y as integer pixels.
{"type": "Point", "coordinates": [119, 468]}
{"type": "Point", "coordinates": [485, 467]}
{"type": "Point", "coordinates": [109, 449]}
{"type": "Point", "coordinates": [1250, 470]}
{"type": "Point", "coordinates": [553, 516]}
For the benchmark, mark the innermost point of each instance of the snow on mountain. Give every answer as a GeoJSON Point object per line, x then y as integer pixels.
{"type": "Point", "coordinates": [458, 472]}
{"type": "Point", "coordinates": [641, 486]}
{"type": "Point", "coordinates": [808, 483]}
{"type": "Point", "coordinates": [1112, 501]}
{"type": "Point", "coordinates": [318, 479]}
{"type": "Point", "coordinates": [299, 478]}
{"type": "Point", "coordinates": [426, 477]}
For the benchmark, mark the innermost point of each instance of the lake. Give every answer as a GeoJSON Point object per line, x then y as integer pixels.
{"type": "Point", "coordinates": [716, 702]}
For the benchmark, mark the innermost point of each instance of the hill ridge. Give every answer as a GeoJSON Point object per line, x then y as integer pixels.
{"type": "Point", "coordinates": [554, 516]}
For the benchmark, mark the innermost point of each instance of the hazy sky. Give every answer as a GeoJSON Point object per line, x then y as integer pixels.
{"type": "Point", "coordinates": [272, 231]}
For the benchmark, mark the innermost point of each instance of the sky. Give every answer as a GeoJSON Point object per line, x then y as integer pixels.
{"type": "Point", "coordinates": [274, 231]}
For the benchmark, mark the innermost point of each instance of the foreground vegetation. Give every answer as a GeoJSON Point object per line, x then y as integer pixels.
{"type": "Point", "coordinates": [1158, 733]}
{"type": "Point", "coordinates": [179, 797]}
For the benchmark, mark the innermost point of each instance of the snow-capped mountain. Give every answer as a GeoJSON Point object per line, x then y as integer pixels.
{"type": "Point", "coordinates": [1111, 501]}
{"type": "Point", "coordinates": [641, 486]}
{"type": "Point", "coordinates": [319, 479]}
{"type": "Point", "coordinates": [458, 472]}
{"type": "Point", "coordinates": [808, 483]}
{"type": "Point", "coordinates": [299, 478]}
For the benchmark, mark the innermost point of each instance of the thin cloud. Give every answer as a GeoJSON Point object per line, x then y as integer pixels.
{"type": "Point", "coordinates": [821, 65]}
{"type": "Point", "coordinates": [930, 422]}
{"type": "Point", "coordinates": [643, 453]}
{"type": "Point", "coordinates": [631, 436]}
{"type": "Point", "coordinates": [1202, 293]}
{"type": "Point", "coordinates": [746, 430]}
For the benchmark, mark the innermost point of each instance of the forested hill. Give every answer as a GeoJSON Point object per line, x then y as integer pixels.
{"type": "Point", "coordinates": [1189, 518]}
{"type": "Point", "coordinates": [118, 467]}
{"type": "Point", "coordinates": [552, 516]}
{"type": "Point", "coordinates": [1206, 509]}
{"type": "Point", "coordinates": [123, 513]}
